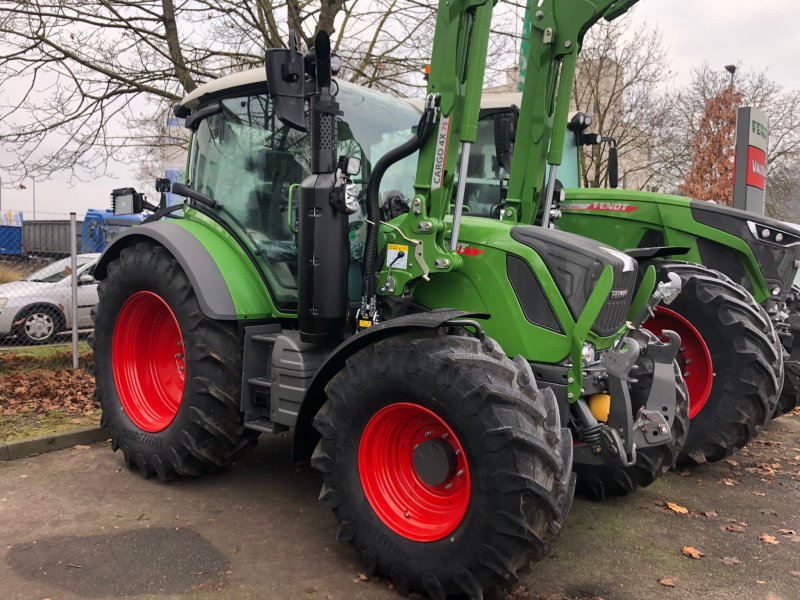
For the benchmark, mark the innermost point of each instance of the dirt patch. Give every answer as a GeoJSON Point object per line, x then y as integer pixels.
{"type": "Point", "coordinates": [142, 561]}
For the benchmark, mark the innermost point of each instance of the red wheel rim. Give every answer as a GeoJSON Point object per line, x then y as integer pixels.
{"type": "Point", "coordinates": [693, 357]}
{"type": "Point", "coordinates": [147, 358]}
{"type": "Point", "coordinates": [397, 493]}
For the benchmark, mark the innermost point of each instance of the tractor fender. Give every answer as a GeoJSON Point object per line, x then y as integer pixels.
{"type": "Point", "coordinates": [305, 436]}
{"type": "Point", "coordinates": [200, 267]}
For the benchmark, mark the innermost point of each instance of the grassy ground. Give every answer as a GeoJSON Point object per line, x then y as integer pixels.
{"type": "Point", "coordinates": [32, 424]}
{"type": "Point", "coordinates": [40, 394]}
{"type": "Point", "coordinates": [48, 358]}
{"type": "Point", "coordinates": [8, 274]}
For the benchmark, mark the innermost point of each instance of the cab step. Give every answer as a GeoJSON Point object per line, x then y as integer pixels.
{"type": "Point", "coordinates": [264, 426]}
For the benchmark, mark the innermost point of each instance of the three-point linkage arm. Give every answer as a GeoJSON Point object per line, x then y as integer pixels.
{"type": "Point", "coordinates": [458, 64]}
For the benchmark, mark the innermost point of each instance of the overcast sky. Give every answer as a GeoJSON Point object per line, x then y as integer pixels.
{"type": "Point", "coordinates": [756, 35]}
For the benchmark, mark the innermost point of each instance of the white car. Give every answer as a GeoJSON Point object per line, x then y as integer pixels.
{"type": "Point", "coordinates": [36, 308]}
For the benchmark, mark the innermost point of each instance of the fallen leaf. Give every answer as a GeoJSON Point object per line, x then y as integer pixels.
{"type": "Point", "coordinates": [730, 560]}
{"type": "Point", "coordinates": [692, 552]}
{"type": "Point", "coordinates": [81, 447]}
{"type": "Point", "coordinates": [732, 463]}
{"type": "Point", "coordinates": [667, 582]}
{"type": "Point", "coordinates": [362, 577]}
{"type": "Point", "coordinates": [681, 510]}
{"type": "Point", "coordinates": [759, 494]}
{"type": "Point", "coordinates": [794, 573]}
{"type": "Point", "coordinates": [760, 581]}
{"type": "Point", "coordinates": [768, 539]}
{"type": "Point", "coordinates": [711, 514]}
{"type": "Point", "coordinates": [734, 526]}
{"type": "Point", "coordinates": [730, 482]}
{"type": "Point", "coordinates": [684, 473]}
{"type": "Point", "coordinates": [211, 584]}
{"type": "Point", "coordinates": [787, 532]}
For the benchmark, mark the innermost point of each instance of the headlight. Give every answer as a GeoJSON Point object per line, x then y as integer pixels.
{"type": "Point", "coordinates": [771, 234]}
{"type": "Point", "coordinates": [588, 354]}
{"type": "Point", "coordinates": [3, 302]}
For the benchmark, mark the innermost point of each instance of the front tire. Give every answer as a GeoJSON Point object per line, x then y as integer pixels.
{"type": "Point", "coordinates": [444, 464]}
{"type": "Point", "coordinates": [167, 377]}
{"type": "Point", "coordinates": [731, 363]}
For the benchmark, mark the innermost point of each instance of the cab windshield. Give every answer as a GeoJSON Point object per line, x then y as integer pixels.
{"type": "Point", "coordinates": [251, 163]}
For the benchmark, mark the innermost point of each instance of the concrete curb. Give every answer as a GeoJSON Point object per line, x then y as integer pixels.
{"type": "Point", "coordinates": [48, 443]}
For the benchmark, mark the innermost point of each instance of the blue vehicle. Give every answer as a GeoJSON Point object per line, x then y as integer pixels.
{"type": "Point", "coordinates": [101, 226]}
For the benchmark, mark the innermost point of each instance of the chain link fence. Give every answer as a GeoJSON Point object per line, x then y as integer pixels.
{"type": "Point", "coordinates": [47, 291]}
{"type": "Point", "coordinates": [40, 299]}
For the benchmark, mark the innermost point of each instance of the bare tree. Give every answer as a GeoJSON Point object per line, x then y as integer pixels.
{"type": "Point", "coordinates": [78, 79]}
{"type": "Point", "coordinates": [783, 191]}
{"type": "Point", "coordinates": [618, 77]}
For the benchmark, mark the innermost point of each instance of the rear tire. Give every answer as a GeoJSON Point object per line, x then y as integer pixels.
{"type": "Point", "coordinates": [746, 365]}
{"type": "Point", "coordinates": [172, 428]}
{"type": "Point", "coordinates": [599, 483]}
{"type": "Point", "coordinates": [516, 486]}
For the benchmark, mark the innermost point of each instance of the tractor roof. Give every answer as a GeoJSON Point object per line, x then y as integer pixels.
{"type": "Point", "coordinates": [488, 100]}
{"type": "Point", "coordinates": [251, 77]}
{"type": "Point", "coordinates": [253, 80]}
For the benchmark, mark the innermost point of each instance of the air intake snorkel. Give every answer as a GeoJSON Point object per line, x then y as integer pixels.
{"type": "Point", "coordinates": [424, 129]}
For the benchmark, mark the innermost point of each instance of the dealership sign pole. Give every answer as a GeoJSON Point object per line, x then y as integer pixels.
{"type": "Point", "coordinates": [750, 170]}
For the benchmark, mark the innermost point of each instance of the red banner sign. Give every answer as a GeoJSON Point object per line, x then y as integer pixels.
{"type": "Point", "coordinates": [756, 168]}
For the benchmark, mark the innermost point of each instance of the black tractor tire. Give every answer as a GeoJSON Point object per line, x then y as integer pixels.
{"type": "Point", "coordinates": [781, 366]}
{"type": "Point", "coordinates": [747, 361]}
{"type": "Point", "coordinates": [207, 432]}
{"type": "Point", "coordinates": [518, 457]}
{"type": "Point", "coordinates": [790, 394]}
{"type": "Point", "coordinates": [599, 483]}
{"type": "Point", "coordinates": [47, 316]}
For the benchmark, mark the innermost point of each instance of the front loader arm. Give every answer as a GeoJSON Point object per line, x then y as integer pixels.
{"type": "Point", "coordinates": [458, 64]}
{"type": "Point", "coordinates": [557, 31]}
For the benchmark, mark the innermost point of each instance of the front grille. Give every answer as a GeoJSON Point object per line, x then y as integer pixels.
{"type": "Point", "coordinates": [576, 264]}
{"type": "Point", "coordinates": [615, 311]}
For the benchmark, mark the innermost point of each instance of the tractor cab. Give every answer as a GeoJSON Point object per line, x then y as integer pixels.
{"type": "Point", "coordinates": [241, 153]}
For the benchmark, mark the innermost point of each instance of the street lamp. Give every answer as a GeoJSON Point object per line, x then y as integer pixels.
{"type": "Point", "coordinates": [732, 70]}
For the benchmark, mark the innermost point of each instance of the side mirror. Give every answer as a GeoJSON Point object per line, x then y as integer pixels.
{"type": "Point", "coordinates": [286, 84]}
{"type": "Point", "coordinates": [504, 137]}
{"type": "Point", "coordinates": [126, 201]}
{"type": "Point", "coordinates": [85, 278]}
{"type": "Point", "coordinates": [613, 167]}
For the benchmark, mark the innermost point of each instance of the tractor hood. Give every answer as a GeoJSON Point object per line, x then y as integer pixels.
{"type": "Point", "coordinates": [710, 211]}
{"type": "Point", "coordinates": [775, 244]}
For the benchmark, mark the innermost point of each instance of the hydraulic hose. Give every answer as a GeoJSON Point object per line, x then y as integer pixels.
{"type": "Point", "coordinates": [424, 130]}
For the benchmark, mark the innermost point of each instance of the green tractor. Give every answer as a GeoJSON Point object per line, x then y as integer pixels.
{"type": "Point", "coordinates": [279, 296]}
{"type": "Point", "coordinates": [738, 312]}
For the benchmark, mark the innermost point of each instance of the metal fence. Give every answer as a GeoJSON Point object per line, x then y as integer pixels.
{"type": "Point", "coordinates": [47, 288]}
{"type": "Point", "coordinates": [47, 291]}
